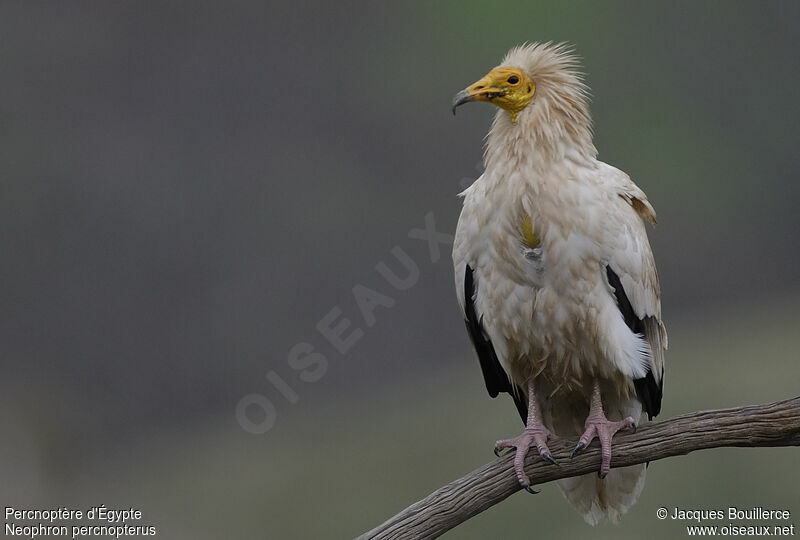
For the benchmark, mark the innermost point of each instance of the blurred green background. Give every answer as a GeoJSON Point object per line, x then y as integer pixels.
{"type": "Point", "coordinates": [188, 188]}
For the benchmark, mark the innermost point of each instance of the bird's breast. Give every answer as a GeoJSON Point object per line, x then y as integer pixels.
{"type": "Point", "coordinates": [538, 272]}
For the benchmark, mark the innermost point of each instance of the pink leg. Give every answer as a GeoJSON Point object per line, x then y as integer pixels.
{"type": "Point", "coordinates": [534, 434]}
{"type": "Point", "coordinates": [597, 425]}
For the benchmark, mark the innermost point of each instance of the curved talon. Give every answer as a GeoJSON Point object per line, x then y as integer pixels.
{"type": "Point", "coordinates": [601, 475]}
{"type": "Point", "coordinates": [532, 491]}
{"type": "Point", "coordinates": [501, 451]}
{"type": "Point", "coordinates": [578, 447]}
{"type": "Point", "coordinates": [549, 457]}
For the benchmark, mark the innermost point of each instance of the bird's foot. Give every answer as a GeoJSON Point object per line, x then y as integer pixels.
{"type": "Point", "coordinates": [597, 425]}
{"type": "Point", "coordinates": [532, 436]}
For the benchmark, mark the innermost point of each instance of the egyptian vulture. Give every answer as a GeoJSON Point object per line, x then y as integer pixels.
{"type": "Point", "coordinates": [555, 275]}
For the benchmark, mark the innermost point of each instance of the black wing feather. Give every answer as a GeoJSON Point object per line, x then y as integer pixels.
{"type": "Point", "coordinates": [647, 389]}
{"type": "Point", "coordinates": [493, 373]}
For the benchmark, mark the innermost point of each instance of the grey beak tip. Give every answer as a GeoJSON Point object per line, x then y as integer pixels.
{"type": "Point", "coordinates": [461, 98]}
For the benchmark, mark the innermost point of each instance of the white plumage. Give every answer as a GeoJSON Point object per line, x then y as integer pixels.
{"type": "Point", "coordinates": [544, 234]}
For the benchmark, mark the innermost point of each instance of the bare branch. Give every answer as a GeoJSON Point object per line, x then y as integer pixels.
{"type": "Point", "coordinates": [775, 424]}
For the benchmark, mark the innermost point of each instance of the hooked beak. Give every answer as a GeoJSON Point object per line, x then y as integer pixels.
{"type": "Point", "coordinates": [462, 97]}
{"type": "Point", "coordinates": [482, 90]}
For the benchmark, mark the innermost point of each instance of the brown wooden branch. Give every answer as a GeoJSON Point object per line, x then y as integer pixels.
{"type": "Point", "coordinates": [774, 424]}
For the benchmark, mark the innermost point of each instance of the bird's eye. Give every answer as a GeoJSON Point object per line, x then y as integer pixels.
{"type": "Point", "coordinates": [513, 79]}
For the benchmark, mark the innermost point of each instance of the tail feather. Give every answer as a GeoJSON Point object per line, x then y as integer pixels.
{"type": "Point", "coordinates": [607, 499]}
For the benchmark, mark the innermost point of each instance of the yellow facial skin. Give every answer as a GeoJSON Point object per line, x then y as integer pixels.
{"type": "Point", "coordinates": [507, 87]}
